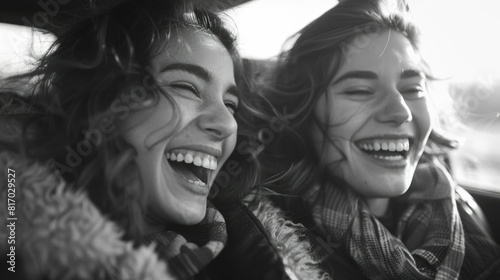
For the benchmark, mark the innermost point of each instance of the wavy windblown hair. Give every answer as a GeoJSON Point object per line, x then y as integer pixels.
{"type": "Point", "coordinates": [95, 73]}
{"type": "Point", "coordinates": [302, 75]}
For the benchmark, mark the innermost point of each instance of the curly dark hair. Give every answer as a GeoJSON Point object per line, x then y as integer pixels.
{"type": "Point", "coordinates": [95, 73]}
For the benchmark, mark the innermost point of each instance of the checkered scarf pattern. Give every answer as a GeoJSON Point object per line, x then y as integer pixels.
{"type": "Point", "coordinates": [429, 242]}
{"type": "Point", "coordinates": [186, 259]}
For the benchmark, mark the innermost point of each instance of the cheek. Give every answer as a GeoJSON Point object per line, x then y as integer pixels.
{"type": "Point", "coordinates": [335, 111]}
{"type": "Point", "coordinates": [339, 120]}
{"type": "Point", "coordinates": [163, 121]}
{"type": "Point", "coordinates": [148, 126]}
{"type": "Point", "coordinates": [422, 116]}
{"type": "Point", "coordinates": [337, 123]}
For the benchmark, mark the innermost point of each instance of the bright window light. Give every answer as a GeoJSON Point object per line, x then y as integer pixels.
{"type": "Point", "coordinates": [460, 37]}
{"type": "Point", "coordinates": [20, 45]}
{"type": "Point", "coordinates": [263, 26]}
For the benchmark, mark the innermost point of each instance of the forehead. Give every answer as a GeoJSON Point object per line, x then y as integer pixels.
{"type": "Point", "coordinates": [197, 47]}
{"type": "Point", "coordinates": [380, 50]}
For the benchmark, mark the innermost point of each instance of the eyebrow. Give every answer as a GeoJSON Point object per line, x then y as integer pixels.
{"type": "Point", "coordinates": [412, 74]}
{"type": "Point", "coordinates": [200, 72]}
{"type": "Point", "coordinates": [190, 68]}
{"type": "Point", "coordinates": [406, 74]}
{"type": "Point", "coordinates": [356, 75]}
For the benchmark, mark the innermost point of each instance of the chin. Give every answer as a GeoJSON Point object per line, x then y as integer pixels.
{"type": "Point", "coordinates": [192, 214]}
{"type": "Point", "coordinates": [378, 186]}
{"type": "Point", "coordinates": [398, 192]}
{"type": "Point", "coordinates": [398, 188]}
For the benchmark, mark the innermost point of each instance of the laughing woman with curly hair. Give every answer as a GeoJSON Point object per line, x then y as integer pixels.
{"type": "Point", "coordinates": [116, 151]}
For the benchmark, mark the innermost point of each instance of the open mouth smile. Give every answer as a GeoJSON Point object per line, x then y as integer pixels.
{"type": "Point", "coordinates": [193, 166]}
{"type": "Point", "coordinates": [386, 149]}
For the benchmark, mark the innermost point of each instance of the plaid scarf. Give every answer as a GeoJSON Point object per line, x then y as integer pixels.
{"type": "Point", "coordinates": [186, 259]}
{"type": "Point", "coordinates": [429, 241]}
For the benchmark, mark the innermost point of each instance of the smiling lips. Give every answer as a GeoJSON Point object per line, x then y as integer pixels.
{"type": "Point", "coordinates": [193, 166]}
{"type": "Point", "coordinates": [386, 149]}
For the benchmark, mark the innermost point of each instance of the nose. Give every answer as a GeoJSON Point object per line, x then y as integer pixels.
{"type": "Point", "coordinates": [218, 122]}
{"type": "Point", "coordinates": [394, 109]}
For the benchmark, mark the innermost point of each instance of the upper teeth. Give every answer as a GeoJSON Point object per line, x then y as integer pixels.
{"type": "Point", "coordinates": [398, 145]}
{"type": "Point", "coordinates": [196, 158]}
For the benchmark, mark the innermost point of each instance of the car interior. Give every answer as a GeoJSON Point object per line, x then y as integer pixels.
{"type": "Point", "coordinates": [263, 27]}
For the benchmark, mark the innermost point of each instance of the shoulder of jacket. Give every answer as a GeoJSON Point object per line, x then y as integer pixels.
{"type": "Point", "coordinates": [289, 238]}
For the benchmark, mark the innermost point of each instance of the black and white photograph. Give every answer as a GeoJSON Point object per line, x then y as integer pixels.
{"type": "Point", "coordinates": [249, 139]}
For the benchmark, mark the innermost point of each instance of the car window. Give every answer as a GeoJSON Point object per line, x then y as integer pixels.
{"type": "Point", "coordinates": [19, 48]}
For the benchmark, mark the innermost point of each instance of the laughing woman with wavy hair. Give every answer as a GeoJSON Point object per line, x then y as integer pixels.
{"type": "Point", "coordinates": [115, 154]}
{"type": "Point", "coordinates": [354, 160]}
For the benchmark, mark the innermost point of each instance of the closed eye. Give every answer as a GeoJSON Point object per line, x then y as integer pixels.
{"type": "Point", "coordinates": [232, 107]}
{"type": "Point", "coordinates": [358, 92]}
{"type": "Point", "coordinates": [413, 92]}
{"type": "Point", "coordinates": [187, 87]}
